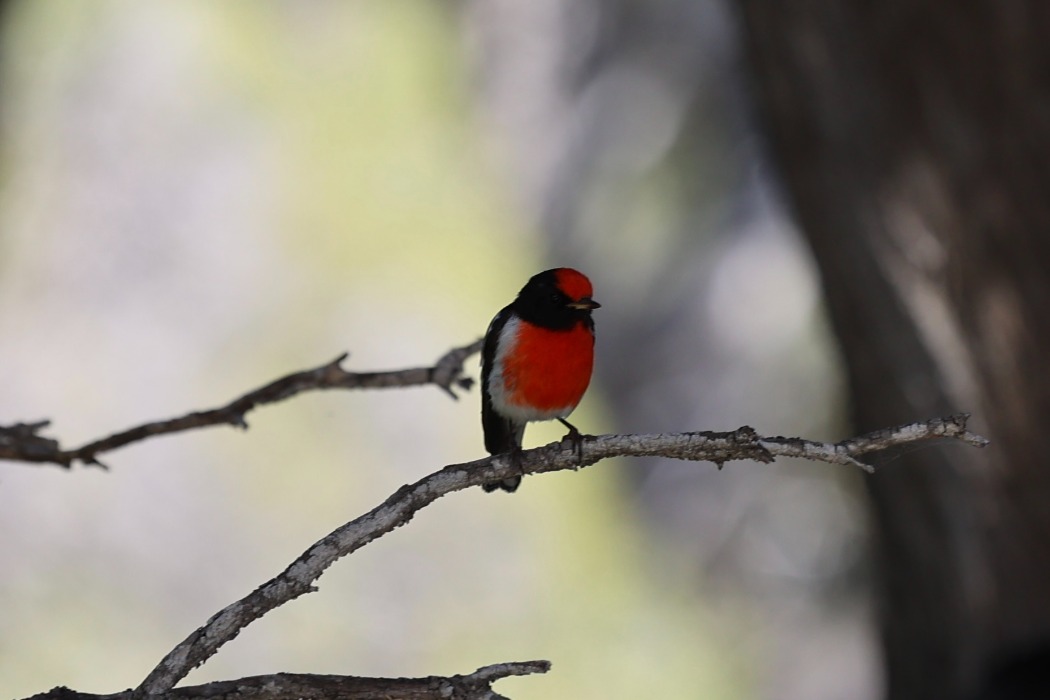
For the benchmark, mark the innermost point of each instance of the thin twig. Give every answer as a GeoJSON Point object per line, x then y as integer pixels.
{"type": "Point", "coordinates": [304, 686]}
{"type": "Point", "coordinates": [21, 442]}
{"type": "Point", "coordinates": [400, 507]}
{"type": "Point", "coordinates": [846, 451]}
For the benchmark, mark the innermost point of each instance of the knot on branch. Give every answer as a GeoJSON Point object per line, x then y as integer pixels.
{"type": "Point", "coordinates": [333, 371]}
{"type": "Point", "coordinates": [742, 443]}
{"type": "Point", "coordinates": [448, 370]}
{"type": "Point", "coordinates": [21, 442]}
{"type": "Point", "coordinates": [478, 685]}
{"type": "Point", "coordinates": [748, 445]}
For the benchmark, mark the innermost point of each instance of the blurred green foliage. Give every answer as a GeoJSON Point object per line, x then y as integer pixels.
{"type": "Point", "coordinates": [202, 196]}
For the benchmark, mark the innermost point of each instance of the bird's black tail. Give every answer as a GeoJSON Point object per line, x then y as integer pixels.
{"type": "Point", "coordinates": [508, 485]}
{"type": "Point", "coordinates": [501, 436]}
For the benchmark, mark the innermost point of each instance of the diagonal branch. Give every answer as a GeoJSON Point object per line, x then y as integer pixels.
{"type": "Point", "coordinates": [20, 442]}
{"type": "Point", "coordinates": [400, 507]}
{"type": "Point", "coordinates": [303, 686]}
{"type": "Point", "coordinates": [847, 451]}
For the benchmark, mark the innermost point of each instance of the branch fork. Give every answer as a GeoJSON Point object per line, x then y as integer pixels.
{"type": "Point", "coordinates": [21, 442]}
{"type": "Point", "coordinates": [403, 504]}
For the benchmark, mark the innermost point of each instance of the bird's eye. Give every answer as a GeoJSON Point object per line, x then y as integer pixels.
{"type": "Point", "coordinates": [556, 298]}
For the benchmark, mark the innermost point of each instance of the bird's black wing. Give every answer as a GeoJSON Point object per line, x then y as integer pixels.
{"type": "Point", "coordinates": [501, 435]}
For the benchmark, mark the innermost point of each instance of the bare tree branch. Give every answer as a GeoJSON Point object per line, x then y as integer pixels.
{"type": "Point", "coordinates": [20, 442]}
{"type": "Point", "coordinates": [400, 507]}
{"type": "Point", "coordinates": [846, 452]}
{"type": "Point", "coordinates": [296, 686]}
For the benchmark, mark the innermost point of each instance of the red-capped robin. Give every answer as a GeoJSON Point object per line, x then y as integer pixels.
{"type": "Point", "coordinates": [536, 361]}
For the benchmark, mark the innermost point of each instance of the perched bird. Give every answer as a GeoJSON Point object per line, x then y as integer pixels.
{"type": "Point", "coordinates": [536, 360]}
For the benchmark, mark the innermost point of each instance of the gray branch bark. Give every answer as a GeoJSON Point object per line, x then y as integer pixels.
{"type": "Point", "coordinates": [399, 508]}
{"type": "Point", "coordinates": [21, 442]}
{"type": "Point", "coordinates": [301, 686]}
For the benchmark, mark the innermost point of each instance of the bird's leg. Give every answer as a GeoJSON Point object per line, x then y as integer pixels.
{"type": "Point", "coordinates": [575, 437]}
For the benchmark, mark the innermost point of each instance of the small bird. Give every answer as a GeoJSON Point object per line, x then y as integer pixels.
{"type": "Point", "coordinates": [536, 361]}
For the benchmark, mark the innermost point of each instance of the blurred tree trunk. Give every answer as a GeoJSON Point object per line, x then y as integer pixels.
{"type": "Point", "coordinates": [913, 139]}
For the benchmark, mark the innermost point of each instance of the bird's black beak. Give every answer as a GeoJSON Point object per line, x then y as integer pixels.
{"type": "Point", "coordinates": [585, 304]}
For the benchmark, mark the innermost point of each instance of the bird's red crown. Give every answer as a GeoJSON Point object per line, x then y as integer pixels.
{"type": "Point", "coordinates": [573, 282]}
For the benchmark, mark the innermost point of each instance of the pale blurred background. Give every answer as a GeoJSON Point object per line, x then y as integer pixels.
{"type": "Point", "coordinates": [200, 197]}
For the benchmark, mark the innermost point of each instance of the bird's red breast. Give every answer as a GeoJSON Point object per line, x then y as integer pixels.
{"type": "Point", "coordinates": [544, 372]}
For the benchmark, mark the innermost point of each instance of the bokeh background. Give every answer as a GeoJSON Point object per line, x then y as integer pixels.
{"type": "Point", "coordinates": [199, 197]}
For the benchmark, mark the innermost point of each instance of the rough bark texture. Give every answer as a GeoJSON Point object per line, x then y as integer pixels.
{"type": "Point", "coordinates": [22, 442]}
{"type": "Point", "coordinates": [399, 508]}
{"type": "Point", "coordinates": [302, 686]}
{"type": "Point", "coordinates": [913, 139]}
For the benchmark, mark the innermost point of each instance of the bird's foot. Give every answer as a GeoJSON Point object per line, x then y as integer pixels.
{"type": "Point", "coordinates": [576, 439]}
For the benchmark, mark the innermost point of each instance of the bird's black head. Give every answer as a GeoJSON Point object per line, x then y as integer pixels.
{"type": "Point", "coordinates": [557, 299]}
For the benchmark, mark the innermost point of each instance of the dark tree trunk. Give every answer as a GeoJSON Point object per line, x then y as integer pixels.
{"type": "Point", "coordinates": [913, 140]}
